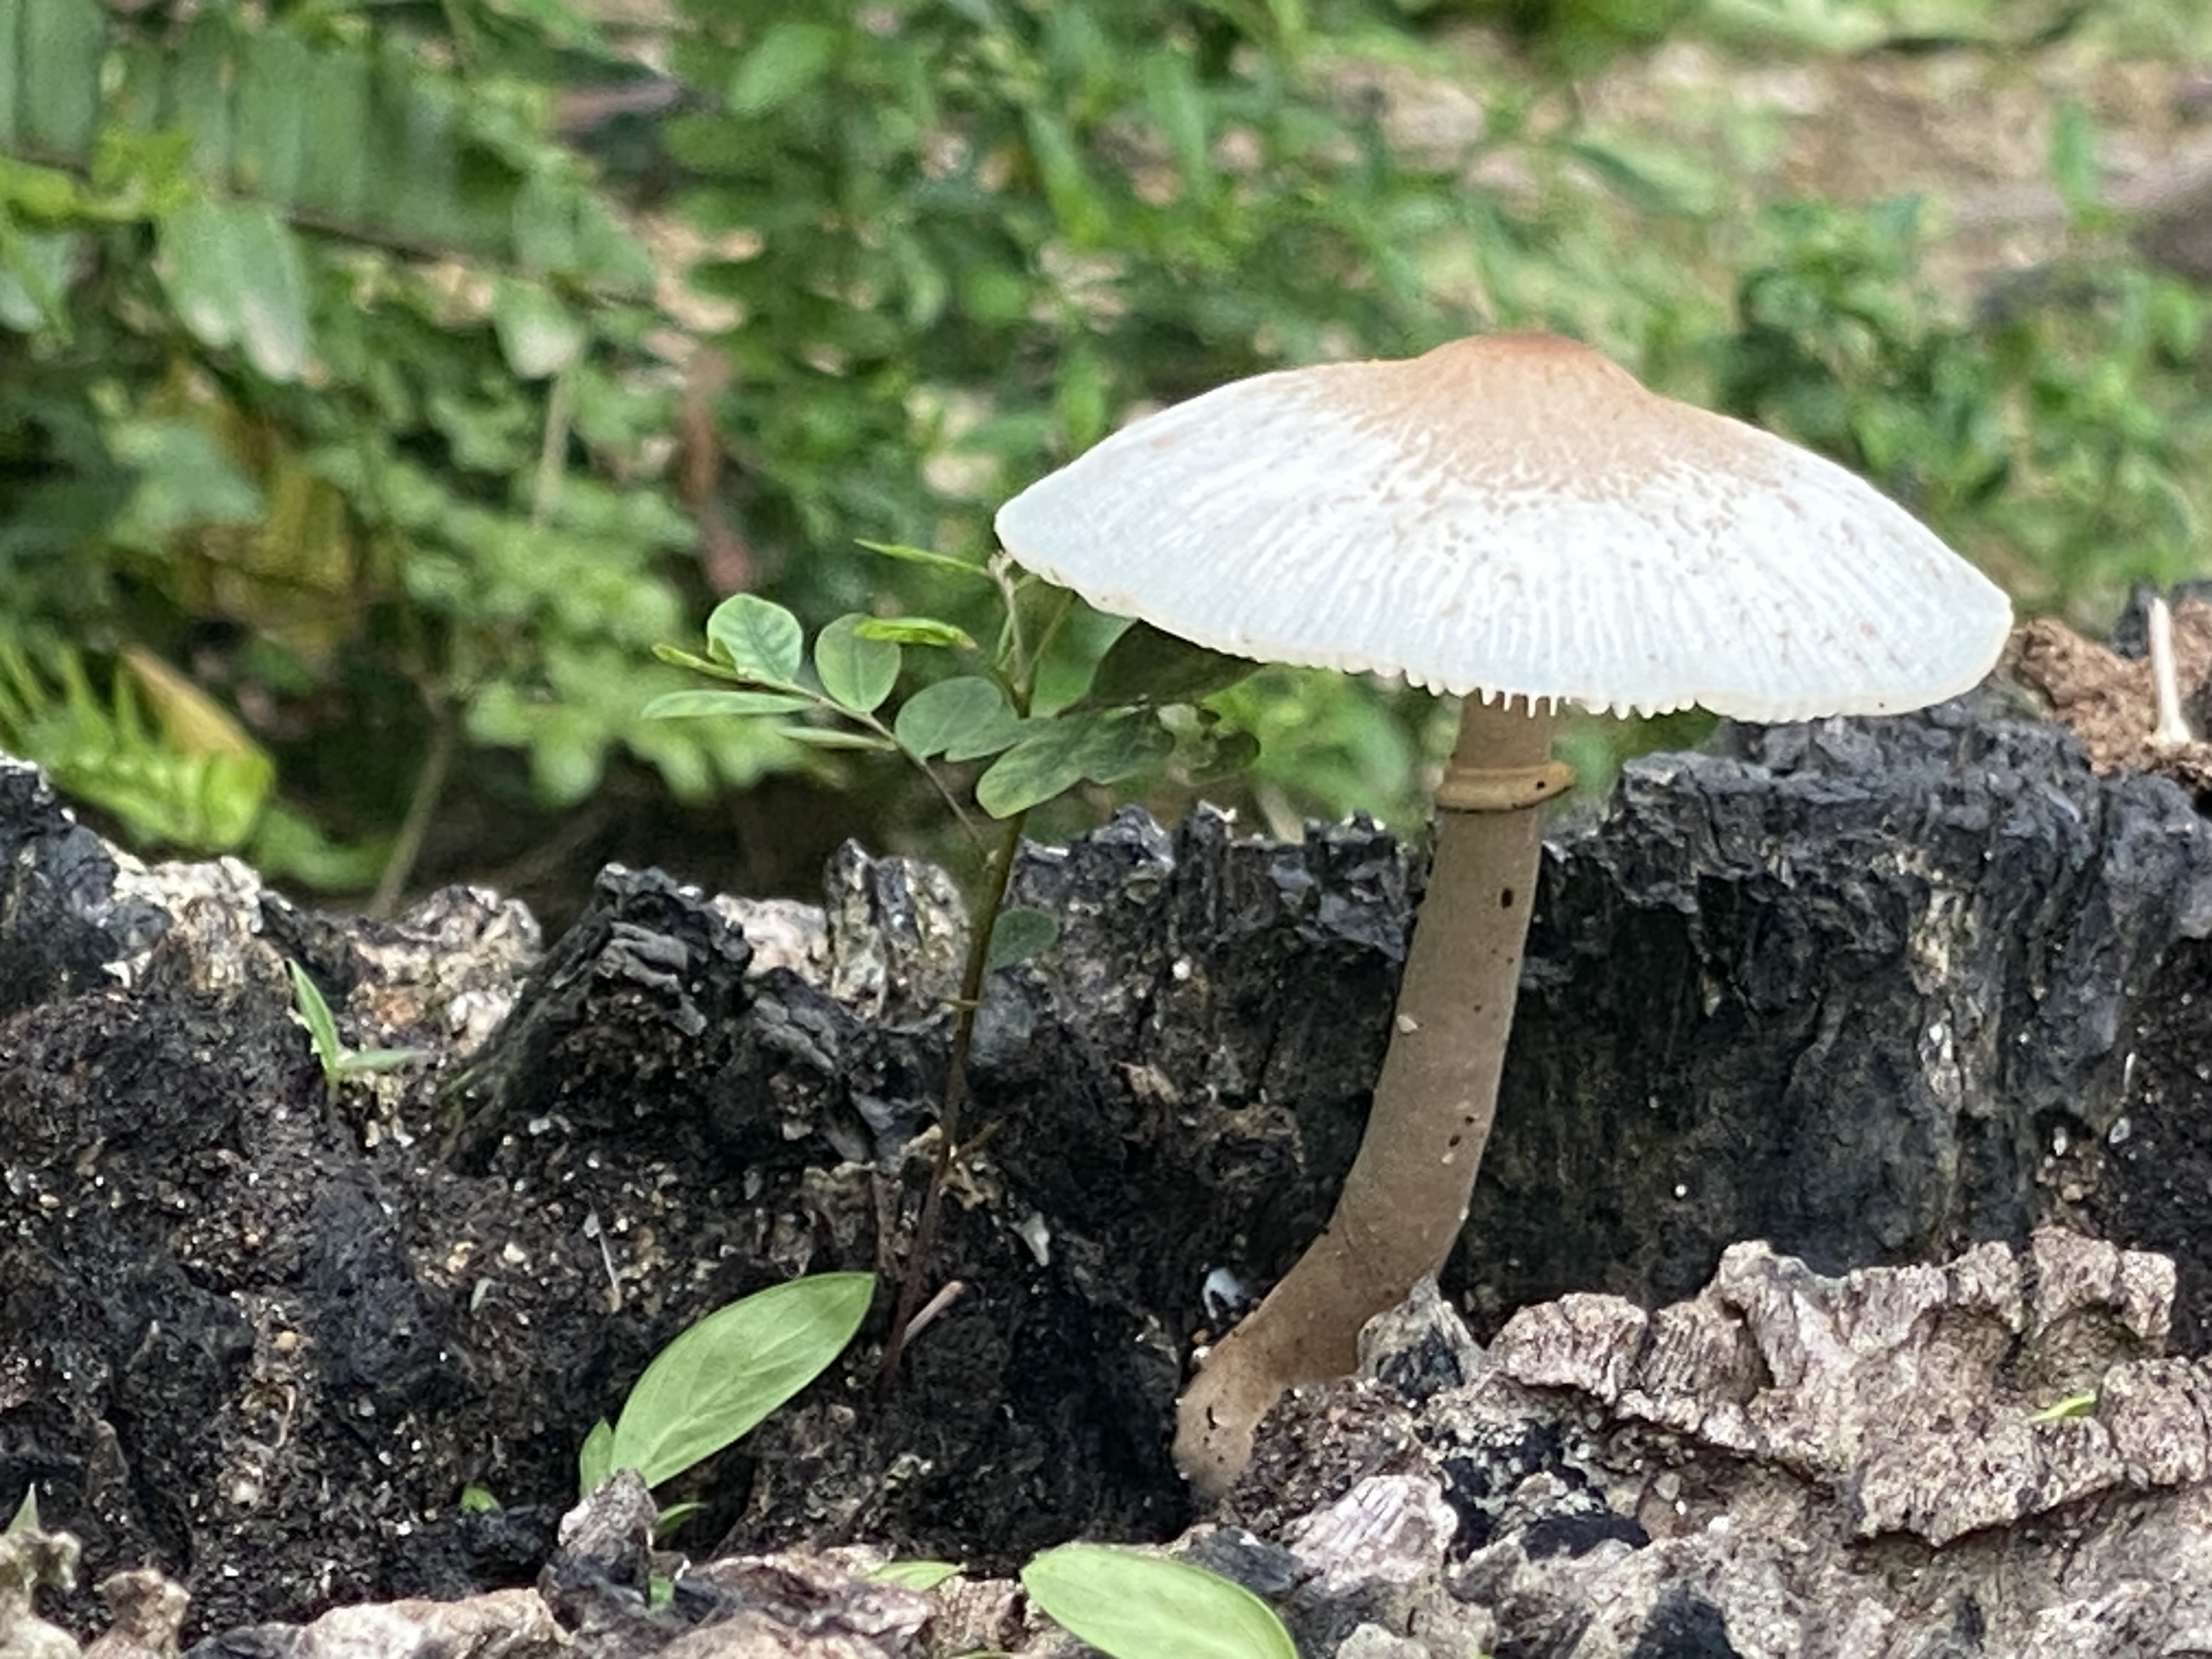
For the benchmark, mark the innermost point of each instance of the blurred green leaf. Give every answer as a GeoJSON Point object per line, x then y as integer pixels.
{"type": "Point", "coordinates": [924, 556]}
{"type": "Point", "coordinates": [787, 64]}
{"type": "Point", "coordinates": [692, 705]}
{"type": "Point", "coordinates": [2073, 165]}
{"type": "Point", "coordinates": [537, 333]}
{"type": "Point", "coordinates": [233, 272]}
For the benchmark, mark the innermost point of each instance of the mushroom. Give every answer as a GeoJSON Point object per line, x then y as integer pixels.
{"type": "Point", "coordinates": [1515, 519]}
{"type": "Point", "coordinates": [2171, 730]}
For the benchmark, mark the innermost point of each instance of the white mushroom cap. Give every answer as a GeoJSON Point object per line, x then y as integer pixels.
{"type": "Point", "coordinates": [1514, 516]}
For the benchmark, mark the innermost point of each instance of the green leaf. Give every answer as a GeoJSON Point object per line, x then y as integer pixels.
{"type": "Point", "coordinates": [1654, 183]}
{"type": "Point", "coordinates": [270, 139]}
{"type": "Point", "coordinates": [2073, 165]}
{"type": "Point", "coordinates": [2072, 1406]}
{"type": "Point", "coordinates": [913, 1575]}
{"type": "Point", "coordinates": [673, 1516]}
{"type": "Point", "coordinates": [907, 555]}
{"type": "Point", "coordinates": [233, 273]}
{"type": "Point", "coordinates": [917, 630]}
{"type": "Point", "coordinates": [34, 274]}
{"type": "Point", "coordinates": [762, 641]}
{"type": "Point", "coordinates": [197, 263]}
{"type": "Point", "coordinates": [828, 736]}
{"type": "Point", "coordinates": [356, 1061]}
{"type": "Point", "coordinates": [25, 1518]}
{"type": "Point", "coordinates": [1134, 1606]}
{"type": "Point", "coordinates": [856, 670]}
{"type": "Point", "coordinates": [595, 1458]}
{"type": "Point", "coordinates": [1172, 91]}
{"type": "Point", "coordinates": [272, 299]}
{"type": "Point", "coordinates": [477, 1500]}
{"type": "Point", "coordinates": [1150, 668]}
{"type": "Point", "coordinates": [784, 64]}
{"type": "Point", "coordinates": [1021, 932]}
{"type": "Point", "coordinates": [693, 705]}
{"type": "Point", "coordinates": [680, 658]}
{"type": "Point", "coordinates": [55, 67]}
{"type": "Point", "coordinates": [310, 1011]}
{"type": "Point", "coordinates": [1055, 755]}
{"type": "Point", "coordinates": [724, 1373]}
{"type": "Point", "coordinates": [537, 335]}
{"type": "Point", "coordinates": [962, 719]}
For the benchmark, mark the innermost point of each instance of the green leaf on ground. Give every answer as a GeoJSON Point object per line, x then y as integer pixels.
{"type": "Point", "coordinates": [1130, 1605]}
{"type": "Point", "coordinates": [721, 1377]}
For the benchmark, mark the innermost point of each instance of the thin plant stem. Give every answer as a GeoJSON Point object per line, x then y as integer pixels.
{"type": "Point", "coordinates": [997, 878]}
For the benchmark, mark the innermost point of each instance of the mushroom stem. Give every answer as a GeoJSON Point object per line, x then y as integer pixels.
{"type": "Point", "coordinates": [2171, 731]}
{"type": "Point", "coordinates": [1404, 1202]}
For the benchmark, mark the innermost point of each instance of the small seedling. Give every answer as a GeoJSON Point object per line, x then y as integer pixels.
{"type": "Point", "coordinates": [339, 1063]}
{"type": "Point", "coordinates": [1144, 704]}
{"type": "Point", "coordinates": [1129, 1604]}
{"type": "Point", "coordinates": [914, 1575]}
{"type": "Point", "coordinates": [2073, 1406]}
{"type": "Point", "coordinates": [717, 1379]}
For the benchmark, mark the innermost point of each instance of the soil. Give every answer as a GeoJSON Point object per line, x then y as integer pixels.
{"type": "Point", "coordinates": [1852, 987]}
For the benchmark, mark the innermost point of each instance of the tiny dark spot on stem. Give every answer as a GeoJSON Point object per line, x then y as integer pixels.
{"type": "Point", "coordinates": [1505, 900]}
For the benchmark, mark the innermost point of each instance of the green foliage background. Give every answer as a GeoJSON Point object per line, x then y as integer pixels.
{"type": "Point", "coordinates": [367, 414]}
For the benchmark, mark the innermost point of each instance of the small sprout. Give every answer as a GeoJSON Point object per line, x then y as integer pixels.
{"type": "Point", "coordinates": [477, 1500]}
{"type": "Point", "coordinates": [914, 1575]}
{"type": "Point", "coordinates": [2073, 1406]}
{"type": "Point", "coordinates": [717, 1379]}
{"type": "Point", "coordinates": [665, 1522]}
{"type": "Point", "coordinates": [338, 1062]}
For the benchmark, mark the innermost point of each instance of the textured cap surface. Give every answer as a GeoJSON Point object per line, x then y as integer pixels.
{"type": "Point", "coordinates": [1515, 515]}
